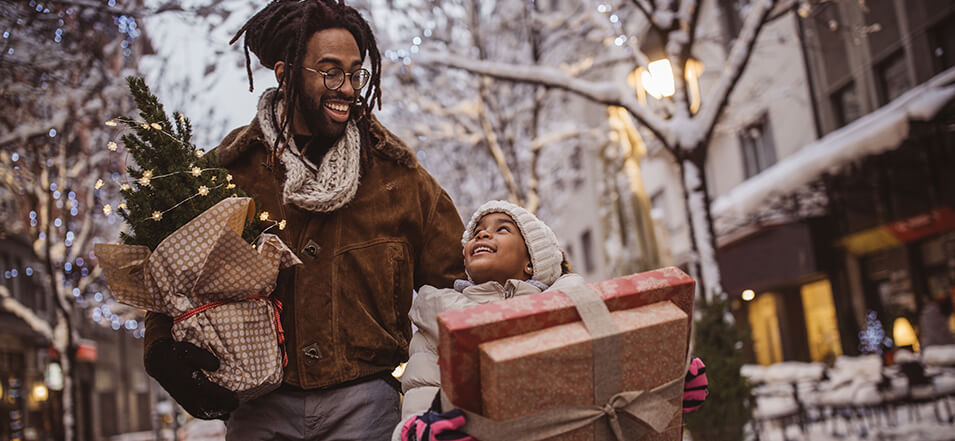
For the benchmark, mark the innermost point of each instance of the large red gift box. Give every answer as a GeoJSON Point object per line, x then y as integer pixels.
{"type": "Point", "coordinates": [553, 368]}
{"type": "Point", "coordinates": [462, 332]}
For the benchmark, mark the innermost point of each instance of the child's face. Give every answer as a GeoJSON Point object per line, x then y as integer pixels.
{"type": "Point", "coordinates": [497, 251]}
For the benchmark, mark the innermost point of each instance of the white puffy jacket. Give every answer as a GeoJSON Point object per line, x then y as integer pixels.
{"type": "Point", "coordinates": [421, 379]}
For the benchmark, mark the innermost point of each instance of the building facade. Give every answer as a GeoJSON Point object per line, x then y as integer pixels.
{"type": "Point", "coordinates": [841, 130]}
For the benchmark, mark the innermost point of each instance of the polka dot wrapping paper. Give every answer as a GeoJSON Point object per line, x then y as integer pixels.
{"type": "Point", "coordinates": [203, 262]}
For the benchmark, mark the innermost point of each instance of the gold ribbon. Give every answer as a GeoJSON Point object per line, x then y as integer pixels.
{"type": "Point", "coordinates": [652, 407]}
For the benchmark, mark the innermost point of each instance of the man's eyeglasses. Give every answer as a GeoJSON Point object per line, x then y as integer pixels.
{"type": "Point", "coordinates": [335, 77]}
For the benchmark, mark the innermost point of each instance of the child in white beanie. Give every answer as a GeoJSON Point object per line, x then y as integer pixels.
{"type": "Point", "coordinates": [508, 252]}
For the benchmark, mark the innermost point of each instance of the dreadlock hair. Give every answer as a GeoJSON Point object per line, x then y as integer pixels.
{"type": "Point", "coordinates": [281, 31]}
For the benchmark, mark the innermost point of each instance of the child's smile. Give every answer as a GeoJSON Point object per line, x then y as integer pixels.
{"type": "Point", "coordinates": [497, 251]}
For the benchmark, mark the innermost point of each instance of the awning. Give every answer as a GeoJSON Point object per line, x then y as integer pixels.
{"type": "Point", "coordinates": [880, 131]}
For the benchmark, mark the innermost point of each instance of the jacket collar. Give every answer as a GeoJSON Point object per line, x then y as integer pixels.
{"type": "Point", "coordinates": [492, 290]}
{"type": "Point", "coordinates": [383, 142]}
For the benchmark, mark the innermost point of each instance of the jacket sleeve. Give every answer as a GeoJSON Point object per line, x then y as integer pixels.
{"type": "Point", "coordinates": [158, 326]}
{"type": "Point", "coordinates": [440, 260]}
{"type": "Point", "coordinates": [422, 377]}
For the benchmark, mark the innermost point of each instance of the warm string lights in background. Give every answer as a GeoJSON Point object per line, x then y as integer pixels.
{"type": "Point", "coordinates": [147, 177]}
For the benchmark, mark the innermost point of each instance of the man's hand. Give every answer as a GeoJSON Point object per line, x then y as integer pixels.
{"type": "Point", "coordinates": [434, 426]}
{"type": "Point", "coordinates": [695, 387]}
{"type": "Point", "coordinates": [177, 367]}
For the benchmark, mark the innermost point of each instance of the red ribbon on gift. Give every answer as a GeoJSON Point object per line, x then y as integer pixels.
{"type": "Point", "coordinates": [277, 316]}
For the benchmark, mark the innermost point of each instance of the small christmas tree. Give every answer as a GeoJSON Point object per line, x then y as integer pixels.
{"type": "Point", "coordinates": [726, 410]}
{"type": "Point", "coordinates": [872, 339]}
{"type": "Point", "coordinates": [173, 180]}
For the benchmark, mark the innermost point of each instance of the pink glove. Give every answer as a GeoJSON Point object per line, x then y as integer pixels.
{"type": "Point", "coordinates": [695, 388]}
{"type": "Point", "coordinates": [434, 426]}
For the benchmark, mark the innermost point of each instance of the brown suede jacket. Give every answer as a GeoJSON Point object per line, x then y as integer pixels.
{"type": "Point", "coordinates": [346, 309]}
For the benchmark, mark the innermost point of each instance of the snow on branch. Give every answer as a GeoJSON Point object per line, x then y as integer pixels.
{"type": "Point", "coordinates": [604, 92]}
{"type": "Point", "coordinates": [736, 61]}
{"type": "Point", "coordinates": [11, 305]}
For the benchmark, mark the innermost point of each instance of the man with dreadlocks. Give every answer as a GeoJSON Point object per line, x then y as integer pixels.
{"type": "Point", "coordinates": [369, 223]}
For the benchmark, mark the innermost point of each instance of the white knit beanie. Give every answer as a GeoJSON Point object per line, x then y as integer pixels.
{"type": "Point", "coordinates": [541, 242]}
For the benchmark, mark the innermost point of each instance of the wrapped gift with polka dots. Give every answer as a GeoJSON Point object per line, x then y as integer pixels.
{"type": "Point", "coordinates": [217, 288]}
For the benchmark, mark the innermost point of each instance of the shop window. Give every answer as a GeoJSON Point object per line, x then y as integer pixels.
{"type": "Point", "coordinates": [759, 151]}
{"type": "Point", "coordinates": [764, 323]}
{"type": "Point", "coordinates": [821, 324]}
{"type": "Point", "coordinates": [845, 104]}
{"type": "Point", "coordinates": [893, 76]}
{"type": "Point", "coordinates": [904, 334]}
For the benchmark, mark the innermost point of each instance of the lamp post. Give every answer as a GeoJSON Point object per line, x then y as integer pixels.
{"type": "Point", "coordinates": [657, 80]}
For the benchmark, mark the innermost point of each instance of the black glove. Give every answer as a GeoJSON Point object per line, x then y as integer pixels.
{"type": "Point", "coordinates": [176, 366]}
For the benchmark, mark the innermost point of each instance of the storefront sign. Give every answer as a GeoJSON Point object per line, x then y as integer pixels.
{"type": "Point", "coordinates": [899, 232]}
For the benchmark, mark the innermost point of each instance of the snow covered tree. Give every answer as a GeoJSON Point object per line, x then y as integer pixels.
{"type": "Point", "coordinates": [683, 127]}
{"type": "Point", "coordinates": [61, 69]}
{"type": "Point", "coordinates": [519, 141]}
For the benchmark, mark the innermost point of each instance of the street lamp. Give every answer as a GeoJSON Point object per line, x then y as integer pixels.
{"type": "Point", "coordinates": [40, 393]}
{"type": "Point", "coordinates": [657, 80]}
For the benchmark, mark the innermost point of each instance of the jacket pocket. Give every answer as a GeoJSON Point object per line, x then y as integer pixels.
{"type": "Point", "coordinates": [373, 298]}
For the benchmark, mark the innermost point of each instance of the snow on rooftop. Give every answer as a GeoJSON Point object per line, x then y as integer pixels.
{"type": "Point", "coordinates": [877, 132]}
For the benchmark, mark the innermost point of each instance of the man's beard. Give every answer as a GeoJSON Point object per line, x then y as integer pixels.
{"type": "Point", "coordinates": [323, 129]}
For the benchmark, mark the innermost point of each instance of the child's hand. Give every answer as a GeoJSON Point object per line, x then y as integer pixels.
{"type": "Point", "coordinates": [434, 426]}
{"type": "Point", "coordinates": [695, 388]}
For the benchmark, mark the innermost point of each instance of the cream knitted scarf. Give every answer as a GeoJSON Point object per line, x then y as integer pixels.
{"type": "Point", "coordinates": [336, 181]}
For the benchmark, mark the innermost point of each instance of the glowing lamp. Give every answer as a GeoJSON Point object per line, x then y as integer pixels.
{"type": "Point", "coordinates": [658, 79]}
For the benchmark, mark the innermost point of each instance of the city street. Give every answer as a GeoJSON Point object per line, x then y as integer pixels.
{"type": "Point", "coordinates": [301, 211]}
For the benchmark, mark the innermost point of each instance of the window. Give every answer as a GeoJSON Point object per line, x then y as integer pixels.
{"type": "Point", "coordinates": [576, 161]}
{"type": "Point", "coordinates": [831, 47]}
{"type": "Point", "coordinates": [756, 141]}
{"type": "Point", "coordinates": [893, 77]}
{"type": "Point", "coordinates": [732, 14]}
{"type": "Point", "coordinates": [586, 242]}
{"type": "Point", "coordinates": [845, 104]}
{"type": "Point", "coordinates": [882, 28]}
{"type": "Point", "coordinates": [942, 40]}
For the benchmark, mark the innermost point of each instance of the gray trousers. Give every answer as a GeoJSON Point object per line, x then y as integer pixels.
{"type": "Point", "coordinates": [364, 411]}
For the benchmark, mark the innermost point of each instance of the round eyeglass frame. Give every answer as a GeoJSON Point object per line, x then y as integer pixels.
{"type": "Point", "coordinates": [359, 76]}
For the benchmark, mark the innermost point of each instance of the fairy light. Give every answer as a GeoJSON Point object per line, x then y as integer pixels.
{"type": "Point", "coordinates": [182, 118]}
{"type": "Point", "coordinates": [228, 178]}
{"type": "Point", "coordinates": [112, 146]}
{"type": "Point", "coordinates": [264, 216]}
{"type": "Point", "coordinates": [145, 126]}
{"type": "Point", "coordinates": [196, 171]}
{"type": "Point", "coordinates": [99, 184]}
{"type": "Point", "coordinates": [156, 126]}
{"type": "Point", "coordinates": [111, 123]}
{"type": "Point", "coordinates": [121, 206]}
{"type": "Point", "coordinates": [203, 190]}
{"type": "Point", "coordinates": [107, 209]}
{"type": "Point", "coordinates": [143, 181]}
{"type": "Point", "coordinates": [282, 224]}
{"type": "Point", "coordinates": [125, 187]}
{"type": "Point", "coordinates": [230, 186]}
{"type": "Point", "coordinates": [200, 153]}
{"type": "Point", "coordinates": [157, 216]}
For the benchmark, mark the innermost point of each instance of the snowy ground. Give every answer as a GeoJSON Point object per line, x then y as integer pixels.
{"type": "Point", "coordinates": [928, 429]}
